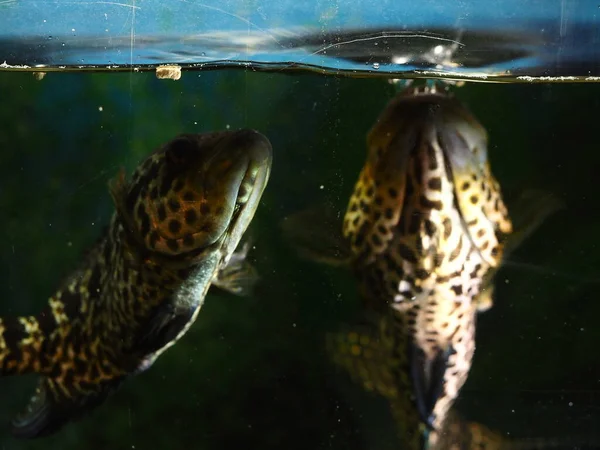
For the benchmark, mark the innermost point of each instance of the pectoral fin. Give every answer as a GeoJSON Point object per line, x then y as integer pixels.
{"type": "Point", "coordinates": [427, 375]}
{"type": "Point", "coordinates": [55, 403]}
{"type": "Point", "coordinates": [316, 234]}
{"type": "Point", "coordinates": [485, 299]}
{"type": "Point", "coordinates": [238, 277]}
{"type": "Point", "coordinates": [162, 330]}
{"type": "Point", "coordinates": [528, 213]}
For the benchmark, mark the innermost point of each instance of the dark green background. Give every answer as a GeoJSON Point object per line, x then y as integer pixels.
{"type": "Point", "coordinates": [252, 373]}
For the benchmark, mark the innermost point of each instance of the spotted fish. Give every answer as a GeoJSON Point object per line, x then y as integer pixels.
{"type": "Point", "coordinates": [368, 355]}
{"type": "Point", "coordinates": [460, 434]}
{"type": "Point", "coordinates": [137, 291]}
{"type": "Point", "coordinates": [426, 224]}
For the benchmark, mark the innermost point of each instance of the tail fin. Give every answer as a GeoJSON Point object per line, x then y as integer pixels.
{"type": "Point", "coordinates": [75, 377]}
{"type": "Point", "coordinates": [57, 402]}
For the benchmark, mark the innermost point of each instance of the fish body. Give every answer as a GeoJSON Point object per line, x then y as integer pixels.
{"type": "Point", "coordinates": [458, 433]}
{"type": "Point", "coordinates": [370, 358]}
{"type": "Point", "coordinates": [426, 222]}
{"type": "Point", "coordinates": [423, 233]}
{"type": "Point", "coordinates": [176, 226]}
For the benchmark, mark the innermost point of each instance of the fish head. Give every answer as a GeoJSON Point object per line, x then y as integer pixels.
{"type": "Point", "coordinates": [196, 193]}
{"type": "Point", "coordinates": [478, 197]}
{"type": "Point", "coordinates": [423, 140]}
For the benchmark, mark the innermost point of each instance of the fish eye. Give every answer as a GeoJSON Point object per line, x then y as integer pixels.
{"type": "Point", "coordinates": [179, 150]}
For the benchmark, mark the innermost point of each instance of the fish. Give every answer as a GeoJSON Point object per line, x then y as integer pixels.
{"type": "Point", "coordinates": [368, 357]}
{"type": "Point", "coordinates": [175, 231]}
{"type": "Point", "coordinates": [461, 434]}
{"type": "Point", "coordinates": [423, 234]}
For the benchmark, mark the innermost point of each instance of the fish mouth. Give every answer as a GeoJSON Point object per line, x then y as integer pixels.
{"type": "Point", "coordinates": [221, 179]}
{"type": "Point", "coordinates": [197, 192]}
{"type": "Point", "coordinates": [253, 155]}
{"type": "Point", "coordinates": [230, 182]}
{"type": "Point", "coordinates": [419, 115]}
{"type": "Point", "coordinates": [462, 138]}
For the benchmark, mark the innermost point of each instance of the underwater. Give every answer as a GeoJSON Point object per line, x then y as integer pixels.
{"type": "Point", "coordinates": [299, 225]}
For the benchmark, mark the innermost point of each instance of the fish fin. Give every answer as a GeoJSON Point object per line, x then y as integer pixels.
{"type": "Point", "coordinates": [427, 375]}
{"type": "Point", "coordinates": [485, 299]}
{"type": "Point", "coordinates": [55, 403]}
{"type": "Point", "coordinates": [238, 276]}
{"type": "Point", "coordinates": [164, 327]}
{"type": "Point", "coordinates": [360, 351]}
{"type": "Point", "coordinates": [116, 188]}
{"type": "Point", "coordinates": [456, 432]}
{"type": "Point", "coordinates": [528, 213]}
{"type": "Point", "coordinates": [412, 432]}
{"type": "Point", "coordinates": [316, 234]}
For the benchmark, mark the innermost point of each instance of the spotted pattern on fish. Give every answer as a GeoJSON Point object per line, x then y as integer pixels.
{"type": "Point", "coordinates": [140, 287]}
{"type": "Point", "coordinates": [458, 433]}
{"type": "Point", "coordinates": [374, 356]}
{"type": "Point", "coordinates": [370, 356]}
{"type": "Point", "coordinates": [426, 222]}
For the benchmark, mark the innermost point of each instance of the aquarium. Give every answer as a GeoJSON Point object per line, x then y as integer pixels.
{"type": "Point", "coordinates": [299, 225]}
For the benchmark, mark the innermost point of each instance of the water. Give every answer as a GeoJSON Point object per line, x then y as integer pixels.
{"type": "Point", "coordinates": [500, 41]}
{"type": "Point", "coordinates": [536, 53]}
{"type": "Point", "coordinates": [252, 371]}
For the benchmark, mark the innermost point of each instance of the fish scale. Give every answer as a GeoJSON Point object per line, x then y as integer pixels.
{"type": "Point", "coordinates": [141, 286]}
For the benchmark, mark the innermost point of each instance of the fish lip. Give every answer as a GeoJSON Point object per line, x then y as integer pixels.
{"type": "Point", "coordinates": [259, 153]}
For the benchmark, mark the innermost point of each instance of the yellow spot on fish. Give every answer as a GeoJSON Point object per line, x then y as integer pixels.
{"type": "Point", "coordinates": [2, 341]}
{"type": "Point", "coordinates": [58, 311]}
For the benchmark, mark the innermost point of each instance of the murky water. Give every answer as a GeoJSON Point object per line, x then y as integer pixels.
{"type": "Point", "coordinates": [252, 372]}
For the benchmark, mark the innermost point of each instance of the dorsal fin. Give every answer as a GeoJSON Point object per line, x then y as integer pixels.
{"type": "Point", "coordinates": [316, 234]}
